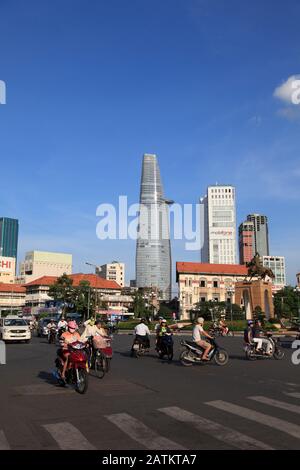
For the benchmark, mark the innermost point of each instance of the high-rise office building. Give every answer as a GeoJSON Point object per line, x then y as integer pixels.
{"type": "Point", "coordinates": [153, 248]}
{"type": "Point", "coordinates": [277, 265]}
{"type": "Point", "coordinates": [261, 234]}
{"type": "Point", "coordinates": [9, 232]}
{"type": "Point", "coordinates": [246, 241]}
{"type": "Point", "coordinates": [218, 225]}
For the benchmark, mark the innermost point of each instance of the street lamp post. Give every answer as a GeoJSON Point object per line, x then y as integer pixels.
{"type": "Point", "coordinates": [230, 292]}
{"type": "Point", "coordinates": [297, 290]}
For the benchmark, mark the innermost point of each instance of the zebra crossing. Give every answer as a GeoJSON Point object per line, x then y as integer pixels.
{"type": "Point", "coordinates": [66, 436]}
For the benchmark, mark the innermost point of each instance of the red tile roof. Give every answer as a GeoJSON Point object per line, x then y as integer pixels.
{"type": "Point", "coordinates": [15, 288]}
{"type": "Point", "coordinates": [207, 268]}
{"type": "Point", "coordinates": [96, 282]}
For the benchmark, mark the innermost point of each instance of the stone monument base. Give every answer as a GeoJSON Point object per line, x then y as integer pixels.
{"type": "Point", "coordinates": [257, 293]}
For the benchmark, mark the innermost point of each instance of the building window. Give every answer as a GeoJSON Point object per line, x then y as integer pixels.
{"type": "Point", "coordinates": [215, 284]}
{"type": "Point", "coordinates": [202, 283]}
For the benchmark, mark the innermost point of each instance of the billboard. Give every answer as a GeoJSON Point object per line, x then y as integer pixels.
{"type": "Point", "coordinates": [7, 265]}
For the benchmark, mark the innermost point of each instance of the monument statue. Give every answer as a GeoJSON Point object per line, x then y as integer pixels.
{"type": "Point", "coordinates": [256, 269]}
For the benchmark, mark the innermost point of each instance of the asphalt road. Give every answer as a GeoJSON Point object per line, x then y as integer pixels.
{"type": "Point", "coordinates": [148, 403]}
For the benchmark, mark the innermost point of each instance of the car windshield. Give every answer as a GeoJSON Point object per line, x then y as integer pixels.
{"type": "Point", "coordinates": [15, 322]}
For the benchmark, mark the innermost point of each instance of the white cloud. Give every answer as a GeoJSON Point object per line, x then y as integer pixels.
{"type": "Point", "coordinates": [288, 90]}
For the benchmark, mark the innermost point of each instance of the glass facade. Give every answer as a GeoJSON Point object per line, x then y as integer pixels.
{"type": "Point", "coordinates": [153, 249]}
{"type": "Point", "coordinates": [9, 232]}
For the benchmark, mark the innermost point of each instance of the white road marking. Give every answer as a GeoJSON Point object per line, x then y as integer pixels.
{"type": "Point", "coordinates": [267, 420]}
{"type": "Point", "coordinates": [68, 437]}
{"type": "Point", "coordinates": [4, 445]}
{"type": "Point", "coordinates": [218, 431]}
{"type": "Point", "coordinates": [278, 404]}
{"type": "Point", "coordinates": [293, 394]}
{"type": "Point", "coordinates": [136, 430]}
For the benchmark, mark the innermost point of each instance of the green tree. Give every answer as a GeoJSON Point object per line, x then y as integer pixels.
{"type": "Point", "coordinates": [63, 291]}
{"type": "Point", "coordinates": [139, 304]}
{"type": "Point", "coordinates": [286, 303]}
{"type": "Point", "coordinates": [85, 301]}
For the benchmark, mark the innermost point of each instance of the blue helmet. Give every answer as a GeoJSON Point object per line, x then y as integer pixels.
{"type": "Point", "coordinates": [250, 322]}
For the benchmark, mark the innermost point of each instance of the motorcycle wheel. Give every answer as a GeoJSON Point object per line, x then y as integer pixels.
{"type": "Point", "coordinates": [278, 354]}
{"type": "Point", "coordinates": [82, 386]}
{"type": "Point", "coordinates": [250, 356]}
{"type": "Point", "coordinates": [134, 353]}
{"type": "Point", "coordinates": [100, 366]}
{"type": "Point", "coordinates": [221, 357]}
{"type": "Point", "coordinates": [183, 359]}
{"type": "Point", "coordinates": [170, 354]}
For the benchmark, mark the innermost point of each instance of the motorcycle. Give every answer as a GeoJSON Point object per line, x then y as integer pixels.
{"type": "Point", "coordinates": [166, 347]}
{"type": "Point", "coordinates": [52, 333]}
{"type": "Point", "coordinates": [216, 330]}
{"type": "Point", "coordinates": [192, 354]}
{"type": "Point", "coordinates": [139, 347]}
{"type": "Point", "coordinates": [77, 370]}
{"type": "Point", "coordinates": [275, 351]}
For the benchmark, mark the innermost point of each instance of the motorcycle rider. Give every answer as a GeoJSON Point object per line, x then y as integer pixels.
{"type": "Point", "coordinates": [51, 326]}
{"type": "Point", "coordinates": [162, 330]}
{"type": "Point", "coordinates": [62, 326]}
{"type": "Point", "coordinates": [222, 325]}
{"type": "Point", "coordinates": [198, 334]}
{"type": "Point", "coordinates": [68, 337]}
{"type": "Point", "coordinates": [142, 333]}
{"type": "Point", "coordinates": [259, 340]}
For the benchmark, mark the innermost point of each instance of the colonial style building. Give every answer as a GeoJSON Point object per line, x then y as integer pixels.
{"type": "Point", "coordinates": [200, 282]}
{"type": "Point", "coordinates": [12, 297]}
{"type": "Point", "coordinates": [37, 291]}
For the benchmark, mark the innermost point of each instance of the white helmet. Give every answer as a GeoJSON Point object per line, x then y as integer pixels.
{"type": "Point", "coordinates": [200, 320]}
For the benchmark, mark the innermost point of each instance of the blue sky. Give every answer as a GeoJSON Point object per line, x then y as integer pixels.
{"type": "Point", "coordinates": [91, 86]}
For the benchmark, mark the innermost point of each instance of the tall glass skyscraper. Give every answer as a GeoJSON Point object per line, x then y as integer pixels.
{"type": "Point", "coordinates": [9, 232]}
{"type": "Point", "coordinates": [153, 249]}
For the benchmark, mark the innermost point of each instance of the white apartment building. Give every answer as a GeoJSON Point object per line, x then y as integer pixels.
{"type": "Point", "coordinates": [12, 297]}
{"type": "Point", "coordinates": [218, 225]}
{"type": "Point", "coordinates": [44, 263]}
{"type": "Point", "coordinates": [114, 271]}
{"type": "Point", "coordinates": [277, 264]}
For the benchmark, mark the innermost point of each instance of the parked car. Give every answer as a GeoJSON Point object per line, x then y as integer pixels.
{"type": "Point", "coordinates": [13, 328]}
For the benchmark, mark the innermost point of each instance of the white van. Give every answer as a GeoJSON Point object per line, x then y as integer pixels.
{"type": "Point", "coordinates": [13, 328]}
